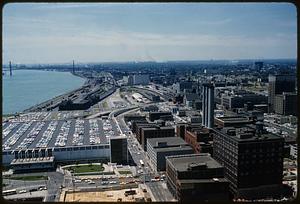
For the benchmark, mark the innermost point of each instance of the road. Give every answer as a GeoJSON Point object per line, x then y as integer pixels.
{"type": "Point", "coordinates": [158, 189]}
{"type": "Point", "coordinates": [53, 183]}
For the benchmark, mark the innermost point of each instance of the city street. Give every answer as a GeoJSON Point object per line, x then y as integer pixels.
{"type": "Point", "coordinates": [158, 189]}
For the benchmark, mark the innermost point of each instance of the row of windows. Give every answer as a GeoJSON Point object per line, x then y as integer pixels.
{"type": "Point", "coordinates": [80, 148]}
{"type": "Point", "coordinates": [66, 149]}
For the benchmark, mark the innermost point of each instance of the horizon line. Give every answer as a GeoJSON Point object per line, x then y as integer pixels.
{"type": "Point", "coordinates": [154, 61]}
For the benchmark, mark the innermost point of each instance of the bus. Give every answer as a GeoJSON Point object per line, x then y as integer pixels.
{"type": "Point", "coordinates": [142, 163]}
{"type": "Point", "coordinates": [9, 192]}
{"type": "Point", "coordinates": [130, 192]}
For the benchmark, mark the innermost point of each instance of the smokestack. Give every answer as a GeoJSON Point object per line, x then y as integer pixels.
{"type": "Point", "coordinates": [10, 70]}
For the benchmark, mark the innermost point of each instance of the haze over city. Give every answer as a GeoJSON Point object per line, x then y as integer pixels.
{"type": "Point", "coordinates": [90, 32]}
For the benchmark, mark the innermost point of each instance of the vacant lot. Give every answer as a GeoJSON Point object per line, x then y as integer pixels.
{"type": "Point", "coordinates": [111, 196]}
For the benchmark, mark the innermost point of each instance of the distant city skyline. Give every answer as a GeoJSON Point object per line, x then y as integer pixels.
{"type": "Point", "coordinates": [116, 32]}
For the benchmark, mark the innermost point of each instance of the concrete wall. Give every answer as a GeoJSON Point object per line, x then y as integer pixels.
{"type": "Point", "coordinates": [70, 153]}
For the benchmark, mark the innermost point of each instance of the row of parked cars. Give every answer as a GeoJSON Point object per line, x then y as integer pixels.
{"type": "Point", "coordinates": [47, 135]}
{"type": "Point", "coordinates": [67, 114]}
{"type": "Point", "coordinates": [94, 132]}
{"type": "Point", "coordinates": [8, 129]}
{"type": "Point", "coordinates": [63, 134]}
{"type": "Point", "coordinates": [79, 132]}
{"type": "Point", "coordinates": [41, 188]}
{"type": "Point", "coordinates": [27, 141]}
{"type": "Point", "coordinates": [90, 181]}
{"type": "Point", "coordinates": [107, 127]}
{"type": "Point", "coordinates": [16, 136]}
{"type": "Point", "coordinates": [34, 116]}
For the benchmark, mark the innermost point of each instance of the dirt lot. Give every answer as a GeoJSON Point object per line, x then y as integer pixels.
{"type": "Point", "coordinates": [102, 196]}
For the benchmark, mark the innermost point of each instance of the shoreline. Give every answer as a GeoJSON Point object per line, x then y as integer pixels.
{"type": "Point", "coordinates": [50, 99]}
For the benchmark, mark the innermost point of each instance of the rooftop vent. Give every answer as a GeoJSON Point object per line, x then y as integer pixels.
{"type": "Point", "coordinates": [216, 180]}
{"type": "Point", "coordinates": [161, 144]}
{"type": "Point", "coordinates": [245, 135]}
{"type": "Point", "coordinates": [197, 166]}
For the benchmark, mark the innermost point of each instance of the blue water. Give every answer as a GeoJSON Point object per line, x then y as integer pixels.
{"type": "Point", "coordinates": [26, 88]}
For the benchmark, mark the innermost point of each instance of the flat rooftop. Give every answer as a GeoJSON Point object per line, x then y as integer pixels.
{"type": "Point", "coordinates": [235, 119]}
{"type": "Point", "coordinates": [159, 128]}
{"type": "Point", "coordinates": [57, 133]}
{"type": "Point", "coordinates": [195, 181]}
{"type": "Point", "coordinates": [170, 141]}
{"type": "Point", "coordinates": [252, 137]}
{"type": "Point", "coordinates": [183, 162]}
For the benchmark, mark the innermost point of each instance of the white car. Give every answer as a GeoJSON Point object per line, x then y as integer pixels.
{"type": "Point", "coordinates": [22, 191]}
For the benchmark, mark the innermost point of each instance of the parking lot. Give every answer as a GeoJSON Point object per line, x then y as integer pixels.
{"type": "Point", "coordinates": [40, 134]}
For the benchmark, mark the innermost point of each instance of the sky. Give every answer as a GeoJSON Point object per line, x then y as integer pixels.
{"type": "Point", "coordinates": [119, 32]}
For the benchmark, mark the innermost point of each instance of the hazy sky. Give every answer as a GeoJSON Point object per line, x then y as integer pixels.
{"type": "Point", "coordinates": [46, 33]}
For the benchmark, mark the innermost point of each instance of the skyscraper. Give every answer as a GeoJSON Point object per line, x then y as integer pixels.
{"type": "Point", "coordinates": [208, 105]}
{"type": "Point", "coordinates": [278, 84]}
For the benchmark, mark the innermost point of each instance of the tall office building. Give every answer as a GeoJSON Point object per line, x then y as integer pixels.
{"type": "Point", "coordinates": [118, 150]}
{"type": "Point", "coordinates": [277, 85]}
{"type": "Point", "coordinates": [252, 160]}
{"type": "Point", "coordinates": [208, 105]}
{"type": "Point", "coordinates": [286, 104]}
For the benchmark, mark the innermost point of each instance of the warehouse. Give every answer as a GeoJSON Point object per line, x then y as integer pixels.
{"type": "Point", "coordinates": [61, 140]}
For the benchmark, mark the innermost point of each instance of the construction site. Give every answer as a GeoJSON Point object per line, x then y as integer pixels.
{"type": "Point", "coordinates": [139, 194]}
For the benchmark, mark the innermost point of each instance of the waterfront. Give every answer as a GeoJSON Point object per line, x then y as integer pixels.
{"type": "Point", "coordinates": [30, 87]}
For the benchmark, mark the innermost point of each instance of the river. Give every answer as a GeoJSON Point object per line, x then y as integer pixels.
{"type": "Point", "coordinates": [26, 88]}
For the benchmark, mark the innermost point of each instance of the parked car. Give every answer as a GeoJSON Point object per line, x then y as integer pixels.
{"type": "Point", "coordinates": [22, 191]}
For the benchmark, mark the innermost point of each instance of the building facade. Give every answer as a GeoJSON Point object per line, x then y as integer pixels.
{"type": "Point", "coordinates": [252, 160]}
{"type": "Point", "coordinates": [208, 105]}
{"type": "Point", "coordinates": [286, 104]}
{"type": "Point", "coordinates": [159, 148]}
{"type": "Point", "coordinates": [199, 138]}
{"type": "Point", "coordinates": [155, 132]}
{"type": "Point", "coordinates": [118, 150]}
{"type": "Point", "coordinates": [196, 177]}
{"type": "Point", "coordinates": [277, 85]}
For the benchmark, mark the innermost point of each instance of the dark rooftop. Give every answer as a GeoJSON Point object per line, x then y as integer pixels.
{"type": "Point", "coordinates": [171, 141]}
{"type": "Point", "coordinates": [184, 162]}
{"type": "Point", "coordinates": [248, 133]}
